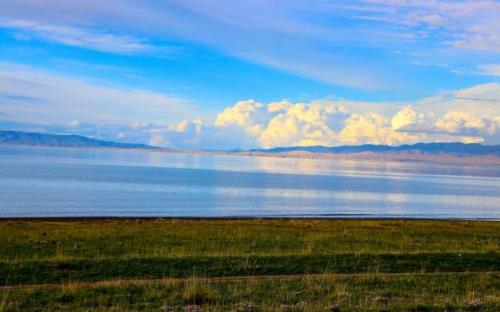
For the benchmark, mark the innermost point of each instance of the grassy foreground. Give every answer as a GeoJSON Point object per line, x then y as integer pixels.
{"type": "Point", "coordinates": [249, 265]}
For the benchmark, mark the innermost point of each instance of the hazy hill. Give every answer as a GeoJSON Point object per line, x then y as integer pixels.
{"type": "Point", "coordinates": [55, 140]}
{"type": "Point", "coordinates": [427, 148]}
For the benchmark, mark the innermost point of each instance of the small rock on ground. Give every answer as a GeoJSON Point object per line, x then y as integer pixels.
{"type": "Point", "coordinates": [193, 308]}
{"type": "Point", "coordinates": [245, 307]}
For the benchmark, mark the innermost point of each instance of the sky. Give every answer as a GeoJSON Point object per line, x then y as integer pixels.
{"type": "Point", "coordinates": [220, 74]}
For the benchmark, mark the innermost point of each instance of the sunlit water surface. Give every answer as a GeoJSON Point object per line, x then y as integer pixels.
{"type": "Point", "coordinates": [53, 182]}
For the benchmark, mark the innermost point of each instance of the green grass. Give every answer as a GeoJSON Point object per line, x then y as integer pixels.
{"type": "Point", "coordinates": [55, 271]}
{"type": "Point", "coordinates": [471, 292]}
{"type": "Point", "coordinates": [69, 251]}
{"type": "Point", "coordinates": [58, 240]}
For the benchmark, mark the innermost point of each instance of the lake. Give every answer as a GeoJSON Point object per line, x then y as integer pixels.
{"type": "Point", "coordinates": [56, 182]}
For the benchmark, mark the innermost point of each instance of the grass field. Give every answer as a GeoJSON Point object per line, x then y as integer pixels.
{"type": "Point", "coordinates": [249, 265]}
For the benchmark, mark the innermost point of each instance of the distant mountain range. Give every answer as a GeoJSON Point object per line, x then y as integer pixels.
{"type": "Point", "coordinates": [56, 140]}
{"type": "Point", "coordinates": [426, 148]}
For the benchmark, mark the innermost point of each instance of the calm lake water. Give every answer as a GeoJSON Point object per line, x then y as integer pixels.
{"type": "Point", "coordinates": [53, 182]}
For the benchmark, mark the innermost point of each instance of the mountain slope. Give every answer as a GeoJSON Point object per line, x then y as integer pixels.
{"type": "Point", "coordinates": [427, 148]}
{"type": "Point", "coordinates": [55, 140]}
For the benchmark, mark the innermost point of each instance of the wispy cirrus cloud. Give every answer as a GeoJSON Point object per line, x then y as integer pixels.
{"type": "Point", "coordinates": [362, 44]}
{"type": "Point", "coordinates": [262, 32]}
{"type": "Point", "coordinates": [338, 43]}
{"type": "Point", "coordinates": [29, 94]}
{"type": "Point", "coordinates": [87, 38]}
{"type": "Point", "coordinates": [470, 25]}
{"type": "Point", "coordinates": [489, 69]}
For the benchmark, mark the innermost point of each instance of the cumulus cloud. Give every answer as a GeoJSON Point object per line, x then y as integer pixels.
{"type": "Point", "coordinates": [408, 119]}
{"type": "Point", "coordinates": [373, 128]}
{"type": "Point", "coordinates": [302, 124]}
{"type": "Point", "coordinates": [461, 125]}
{"type": "Point", "coordinates": [466, 123]}
{"type": "Point", "coordinates": [284, 123]}
{"type": "Point", "coordinates": [249, 115]}
{"type": "Point", "coordinates": [468, 115]}
{"type": "Point", "coordinates": [250, 124]}
{"type": "Point", "coordinates": [331, 123]}
{"type": "Point", "coordinates": [39, 102]}
{"type": "Point", "coordinates": [185, 134]}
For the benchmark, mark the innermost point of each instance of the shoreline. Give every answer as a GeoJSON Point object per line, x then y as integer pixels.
{"type": "Point", "coordinates": [448, 159]}
{"type": "Point", "coordinates": [243, 218]}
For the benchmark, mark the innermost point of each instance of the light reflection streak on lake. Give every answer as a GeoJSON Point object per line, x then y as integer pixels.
{"type": "Point", "coordinates": [70, 182]}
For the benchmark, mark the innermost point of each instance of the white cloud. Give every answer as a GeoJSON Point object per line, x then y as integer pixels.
{"type": "Point", "coordinates": [489, 69]}
{"type": "Point", "coordinates": [31, 95]}
{"type": "Point", "coordinates": [258, 31]}
{"type": "Point", "coordinates": [453, 125]}
{"type": "Point", "coordinates": [69, 105]}
{"type": "Point", "coordinates": [407, 117]}
{"type": "Point", "coordinates": [302, 124]}
{"type": "Point", "coordinates": [80, 37]}
{"type": "Point", "coordinates": [482, 100]}
{"type": "Point", "coordinates": [283, 123]}
{"type": "Point", "coordinates": [121, 136]}
{"type": "Point", "coordinates": [249, 115]}
{"type": "Point", "coordinates": [472, 25]}
{"type": "Point", "coordinates": [468, 115]}
{"type": "Point", "coordinates": [282, 35]}
{"type": "Point", "coordinates": [74, 123]}
{"type": "Point", "coordinates": [465, 123]}
{"type": "Point", "coordinates": [157, 139]}
{"type": "Point", "coordinates": [373, 128]}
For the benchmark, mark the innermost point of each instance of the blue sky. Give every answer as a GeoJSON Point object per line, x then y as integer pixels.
{"type": "Point", "coordinates": [208, 74]}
